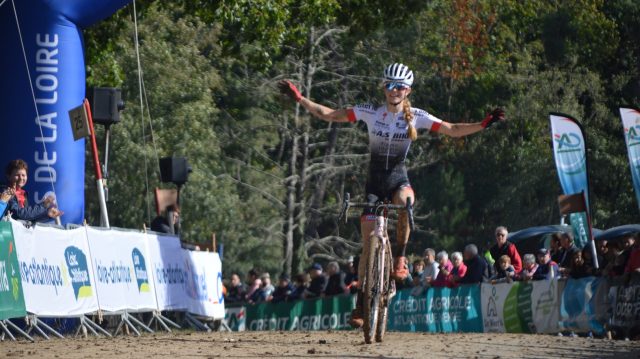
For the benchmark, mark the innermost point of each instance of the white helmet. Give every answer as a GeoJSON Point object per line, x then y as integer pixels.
{"type": "Point", "coordinates": [398, 73]}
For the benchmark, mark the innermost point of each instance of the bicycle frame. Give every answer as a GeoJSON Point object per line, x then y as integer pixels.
{"type": "Point", "coordinates": [377, 287]}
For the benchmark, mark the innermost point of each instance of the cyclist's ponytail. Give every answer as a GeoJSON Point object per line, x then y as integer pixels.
{"type": "Point", "coordinates": [408, 117]}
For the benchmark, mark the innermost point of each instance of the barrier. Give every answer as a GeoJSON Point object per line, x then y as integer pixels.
{"type": "Point", "coordinates": [442, 310]}
{"type": "Point", "coordinates": [11, 293]}
{"type": "Point", "coordinates": [578, 305]}
{"type": "Point", "coordinates": [520, 307]}
{"type": "Point", "coordinates": [52, 272]}
{"type": "Point", "coordinates": [313, 314]}
{"type": "Point", "coordinates": [55, 270]}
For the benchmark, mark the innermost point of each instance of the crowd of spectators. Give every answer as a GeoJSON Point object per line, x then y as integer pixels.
{"type": "Point", "coordinates": [500, 262]}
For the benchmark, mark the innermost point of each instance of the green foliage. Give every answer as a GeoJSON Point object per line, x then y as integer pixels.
{"type": "Point", "coordinates": [209, 72]}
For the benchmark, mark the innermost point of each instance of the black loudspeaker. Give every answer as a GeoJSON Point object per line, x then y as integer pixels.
{"type": "Point", "coordinates": [174, 170]}
{"type": "Point", "coordinates": [106, 104]}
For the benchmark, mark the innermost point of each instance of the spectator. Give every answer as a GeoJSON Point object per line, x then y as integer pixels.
{"type": "Point", "coordinates": [547, 268]}
{"type": "Point", "coordinates": [623, 257]}
{"type": "Point", "coordinates": [351, 277]}
{"type": "Point", "coordinates": [254, 282]}
{"type": "Point", "coordinates": [486, 254]}
{"type": "Point", "coordinates": [578, 268]}
{"type": "Point", "coordinates": [283, 291]}
{"type": "Point", "coordinates": [556, 251]}
{"type": "Point", "coordinates": [431, 267]}
{"type": "Point", "coordinates": [587, 257]}
{"type": "Point", "coordinates": [318, 282]}
{"type": "Point", "coordinates": [444, 268]}
{"type": "Point", "coordinates": [18, 205]}
{"type": "Point", "coordinates": [603, 253]}
{"type": "Point", "coordinates": [613, 256]}
{"type": "Point", "coordinates": [418, 270]}
{"type": "Point", "coordinates": [335, 282]}
{"type": "Point", "coordinates": [568, 250]}
{"type": "Point", "coordinates": [458, 272]}
{"type": "Point", "coordinates": [505, 273]}
{"type": "Point", "coordinates": [529, 267]}
{"type": "Point", "coordinates": [633, 263]}
{"type": "Point", "coordinates": [477, 266]}
{"type": "Point", "coordinates": [5, 197]}
{"type": "Point", "coordinates": [264, 292]}
{"type": "Point", "coordinates": [300, 286]}
{"type": "Point", "coordinates": [236, 291]}
{"type": "Point", "coordinates": [407, 282]}
{"type": "Point", "coordinates": [504, 247]}
{"type": "Point", "coordinates": [168, 222]}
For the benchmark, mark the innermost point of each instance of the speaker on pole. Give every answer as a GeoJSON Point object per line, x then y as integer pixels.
{"type": "Point", "coordinates": [106, 104]}
{"type": "Point", "coordinates": [174, 169]}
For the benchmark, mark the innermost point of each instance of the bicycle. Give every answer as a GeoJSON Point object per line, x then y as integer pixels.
{"type": "Point", "coordinates": [377, 287]}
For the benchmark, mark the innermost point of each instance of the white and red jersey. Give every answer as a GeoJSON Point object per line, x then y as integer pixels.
{"type": "Point", "coordinates": [388, 139]}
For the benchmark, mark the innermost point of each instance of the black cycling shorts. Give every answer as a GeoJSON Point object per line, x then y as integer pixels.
{"type": "Point", "coordinates": [383, 183]}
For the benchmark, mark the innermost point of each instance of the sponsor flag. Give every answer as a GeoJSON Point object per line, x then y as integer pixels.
{"type": "Point", "coordinates": [570, 154]}
{"type": "Point", "coordinates": [631, 124]}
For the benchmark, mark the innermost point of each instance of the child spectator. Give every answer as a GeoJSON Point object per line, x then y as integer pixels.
{"type": "Point", "coordinates": [299, 287]}
{"type": "Point", "coordinates": [18, 205]}
{"type": "Point", "coordinates": [444, 268]}
{"type": "Point", "coordinates": [418, 270]}
{"type": "Point", "coordinates": [283, 291]}
{"type": "Point", "coordinates": [529, 267]}
{"type": "Point", "coordinates": [504, 271]}
{"type": "Point", "coordinates": [458, 272]}
{"type": "Point", "coordinates": [547, 268]}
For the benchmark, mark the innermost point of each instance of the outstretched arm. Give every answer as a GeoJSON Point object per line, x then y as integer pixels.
{"type": "Point", "coordinates": [465, 129]}
{"type": "Point", "coordinates": [323, 112]}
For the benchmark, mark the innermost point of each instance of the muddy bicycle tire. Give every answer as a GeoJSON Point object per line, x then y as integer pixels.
{"type": "Point", "coordinates": [385, 294]}
{"type": "Point", "coordinates": [371, 290]}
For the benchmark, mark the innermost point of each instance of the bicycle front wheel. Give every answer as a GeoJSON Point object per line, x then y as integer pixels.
{"type": "Point", "coordinates": [371, 289]}
{"type": "Point", "coordinates": [387, 291]}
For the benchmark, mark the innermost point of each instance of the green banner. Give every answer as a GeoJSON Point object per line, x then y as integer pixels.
{"type": "Point", "coordinates": [11, 295]}
{"type": "Point", "coordinates": [442, 310]}
{"type": "Point", "coordinates": [318, 314]}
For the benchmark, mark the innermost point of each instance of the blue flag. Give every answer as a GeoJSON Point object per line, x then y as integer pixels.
{"type": "Point", "coordinates": [631, 123]}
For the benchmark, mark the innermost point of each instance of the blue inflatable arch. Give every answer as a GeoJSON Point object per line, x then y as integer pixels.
{"type": "Point", "coordinates": [51, 33]}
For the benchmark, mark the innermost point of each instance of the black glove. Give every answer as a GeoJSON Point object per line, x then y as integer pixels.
{"type": "Point", "coordinates": [289, 89]}
{"type": "Point", "coordinates": [492, 117]}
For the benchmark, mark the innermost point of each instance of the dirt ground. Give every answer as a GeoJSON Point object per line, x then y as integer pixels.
{"type": "Point", "coordinates": [348, 344]}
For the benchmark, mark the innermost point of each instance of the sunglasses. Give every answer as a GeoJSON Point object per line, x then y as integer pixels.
{"type": "Point", "coordinates": [395, 86]}
{"type": "Point", "coordinates": [500, 234]}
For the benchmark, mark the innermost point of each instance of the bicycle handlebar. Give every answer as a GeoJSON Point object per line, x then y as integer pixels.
{"type": "Point", "coordinates": [346, 204]}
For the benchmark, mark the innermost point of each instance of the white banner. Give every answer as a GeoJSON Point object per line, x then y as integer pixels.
{"type": "Point", "coordinates": [168, 267]}
{"type": "Point", "coordinates": [121, 262]}
{"type": "Point", "coordinates": [204, 284]}
{"type": "Point", "coordinates": [57, 277]}
{"type": "Point", "coordinates": [520, 307]}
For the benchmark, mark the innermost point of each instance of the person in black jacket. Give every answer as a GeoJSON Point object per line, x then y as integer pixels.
{"type": "Point", "coordinates": [283, 290]}
{"type": "Point", "coordinates": [318, 282]}
{"type": "Point", "coordinates": [477, 266]}
{"type": "Point", "coordinates": [335, 283]}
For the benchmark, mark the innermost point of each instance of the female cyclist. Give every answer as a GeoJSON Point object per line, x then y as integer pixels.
{"type": "Point", "coordinates": [391, 129]}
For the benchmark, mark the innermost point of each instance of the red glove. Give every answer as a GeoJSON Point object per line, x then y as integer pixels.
{"type": "Point", "coordinates": [289, 89]}
{"type": "Point", "coordinates": [492, 117]}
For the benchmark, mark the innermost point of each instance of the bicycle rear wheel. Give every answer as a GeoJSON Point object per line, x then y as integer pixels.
{"type": "Point", "coordinates": [388, 290]}
{"type": "Point", "coordinates": [371, 289]}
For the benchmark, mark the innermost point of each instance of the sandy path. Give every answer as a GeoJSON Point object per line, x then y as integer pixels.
{"type": "Point", "coordinates": [323, 345]}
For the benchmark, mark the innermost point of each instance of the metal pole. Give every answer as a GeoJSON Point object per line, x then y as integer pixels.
{"type": "Point", "coordinates": [104, 217]}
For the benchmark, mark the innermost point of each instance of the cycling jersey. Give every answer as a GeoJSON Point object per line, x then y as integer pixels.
{"type": "Point", "coordinates": [388, 139]}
